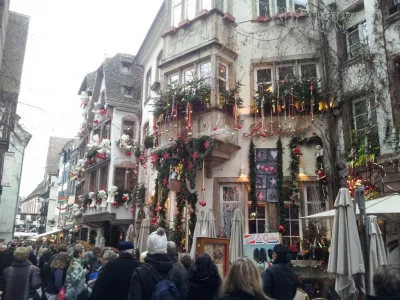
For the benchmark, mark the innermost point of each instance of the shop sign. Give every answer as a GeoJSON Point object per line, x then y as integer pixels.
{"type": "Point", "coordinates": [262, 238]}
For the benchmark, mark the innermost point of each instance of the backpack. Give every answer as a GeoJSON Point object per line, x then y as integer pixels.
{"type": "Point", "coordinates": [165, 289]}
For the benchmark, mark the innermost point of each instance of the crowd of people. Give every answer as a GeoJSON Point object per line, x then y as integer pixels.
{"type": "Point", "coordinates": [161, 273]}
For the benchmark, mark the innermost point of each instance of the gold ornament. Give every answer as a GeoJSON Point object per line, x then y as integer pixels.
{"type": "Point", "coordinates": [253, 215]}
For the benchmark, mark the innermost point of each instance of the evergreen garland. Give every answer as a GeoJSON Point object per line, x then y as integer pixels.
{"type": "Point", "coordinates": [279, 163]}
{"type": "Point", "coordinates": [295, 154]}
{"type": "Point", "coordinates": [181, 200]}
{"type": "Point", "coordinates": [252, 176]}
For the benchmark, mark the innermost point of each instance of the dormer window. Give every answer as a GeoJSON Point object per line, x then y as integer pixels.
{"type": "Point", "coordinates": [126, 67]}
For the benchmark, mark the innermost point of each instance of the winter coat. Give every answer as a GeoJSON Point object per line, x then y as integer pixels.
{"type": "Point", "coordinates": [240, 296]}
{"type": "Point", "coordinates": [56, 281]}
{"type": "Point", "coordinates": [204, 288]}
{"type": "Point", "coordinates": [32, 258]}
{"type": "Point", "coordinates": [75, 279]}
{"type": "Point", "coordinates": [279, 282]}
{"type": "Point", "coordinates": [115, 279]}
{"type": "Point", "coordinates": [143, 283]}
{"type": "Point", "coordinates": [7, 259]}
{"type": "Point", "coordinates": [20, 280]}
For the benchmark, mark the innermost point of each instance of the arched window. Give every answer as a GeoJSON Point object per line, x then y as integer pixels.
{"type": "Point", "coordinates": [129, 124]}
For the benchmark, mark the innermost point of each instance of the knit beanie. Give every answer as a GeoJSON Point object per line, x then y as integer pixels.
{"type": "Point", "coordinates": [157, 242]}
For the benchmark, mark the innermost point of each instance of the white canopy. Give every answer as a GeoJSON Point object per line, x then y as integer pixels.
{"type": "Point", "coordinates": [24, 234]}
{"type": "Point", "coordinates": [47, 233]}
{"type": "Point", "coordinates": [387, 208]}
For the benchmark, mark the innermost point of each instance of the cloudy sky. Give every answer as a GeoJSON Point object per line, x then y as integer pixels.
{"type": "Point", "coordinates": [67, 39]}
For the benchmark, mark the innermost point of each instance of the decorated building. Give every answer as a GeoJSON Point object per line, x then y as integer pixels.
{"type": "Point", "coordinates": [105, 172]}
{"type": "Point", "coordinates": [234, 116]}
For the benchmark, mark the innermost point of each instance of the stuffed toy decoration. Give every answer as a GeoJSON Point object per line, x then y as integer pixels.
{"type": "Point", "coordinates": [95, 142]}
{"type": "Point", "coordinates": [76, 214]}
{"type": "Point", "coordinates": [319, 151]}
{"type": "Point", "coordinates": [103, 196]}
{"type": "Point", "coordinates": [97, 111]}
{"type": "Point", "coordinates": [124, 142]}
{"type": "Point", "coordinates": [111, 194]}
{"type": "Point", "coordinates": [84, 99]}
{"type": "Point", "coordinates": [77, 170]}
{"type": "Point", "coordinates": [105, 148]}
{"type": "Point", "coordinates": [125, 198]}
{"type": "Point", "coordinates": [321, 175]}
{"type": "Point", "coordinates": [92, 196]}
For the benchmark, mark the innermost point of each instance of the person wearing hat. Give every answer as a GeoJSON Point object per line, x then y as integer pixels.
{"type": "Point", "coordinates": [279, 281]}
{"type": "Point", "coordinates": [114, 281]}
{"type": "Point", "coordinates": [157, 264]}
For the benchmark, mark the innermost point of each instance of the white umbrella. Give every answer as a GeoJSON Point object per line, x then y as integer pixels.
{"type": "Point", "coordinates": [346, 258]}
{"type": "Point", "coordinates": [197, 232]}
{"type": "Point", "coordinates": [208, 229]}
{"type": "Point", "coordinates": [143, 235]}
{"type": "Point", "coordinates": [236, 244]}
{"type": "Point", "coordinates": [377, 252]}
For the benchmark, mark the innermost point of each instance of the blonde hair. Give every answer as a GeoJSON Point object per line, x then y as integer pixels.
{"type": "Point", "coordinates": [243, 276]}
{"type": "Point", "coordinates": [109, 255]}
{"type": "Point", "coordinates": [21, 253]}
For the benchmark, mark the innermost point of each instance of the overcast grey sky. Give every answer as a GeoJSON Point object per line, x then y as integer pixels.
{"type": "Point", "coordinates": [67, 39]}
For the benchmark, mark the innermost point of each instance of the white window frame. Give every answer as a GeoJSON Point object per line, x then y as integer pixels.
{"type": "Point", "coordinates": [271, 83]}
{"type": "Point", "coordinates": [188, 4]}
{"type": "Point", "coordinates": [274, 9]}
{"type": "Point", "coordinates": [291, 237]}
{"type": "Point", "coordinates": [148, 84]}
{"type": "Point", "coordinates": [184, 74]}
{"type": "Point", "coordinates": [369, 111]}
{"type": "Point", "coordinates": [170, 82]}
{"type": "Point", "coordinates": [226, 80]}
{"type": "Point", "coordinates": [199, 71]}
{"type": "Point", "coordinates": [266, 224]}
{"type": "Point", "coordinates": [175, 4]}
{"type": "Point", "coordinates": [362, 30]}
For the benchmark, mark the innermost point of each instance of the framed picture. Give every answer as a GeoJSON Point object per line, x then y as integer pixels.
{"type": "Point", "coordinates": [218, 249]}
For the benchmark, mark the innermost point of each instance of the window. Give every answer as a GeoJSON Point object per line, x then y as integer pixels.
{"type": "Point", "coordinates": [300, 5]}
{"type": "Point", "coordinates": [394, 6]}
{"type": "Point", "coordinates": [229, 202]}
{"type": "Point", "coordinates": [264, 79]}
{"type": "Point", "coordinates": [263, 8]}
{"type": "Point", "coordinates": [357, 38]}
{"type": "Point", "coordinates": [173, 79]}
{"type": "Point", "coordinates": [188, 75]}
{"type": "Point", "coordinates": [205, 4]}
{"type": "Point", "coordinates": [103, 179]}
{"type": "Point", "coordinates": [93, 181]}
{"type": "Point", "coordinates": [285, 72]}
{"type": "Point", "coordinates": [308, 71]}
{"type": "Point", "coordinates": [259, 224]}
{"type": "Point", "coordinates": [146, 130]}
{"type": "Point", "coordinates": [126, 66]}
{"type": "Point", "coordinates": [127, 91]}
{"type": "Point", "coordinates": [128, 128]}
{"type": "Point", "coordinates": [148, 84]}
{"type": "Point", "coordinates": [205, 72]}
{"type": "Point", "coordinates": [364, 112]}
{"type": "Point", "coordinates": [291, 236]}
{"type": "Point", "coordinates": [222, 81]}
{"type": "Point", "coordinates": [281, 6]}
{"type": "Point", "coordinates": [312, 200]}
{"type": "Point", "coordinates": [124, 178]}
{"type": "Point", "coordinates": [176, 12]}
{"type": "Point", "coordinates": [22, 217]}
{"type": "Point", "coordinates": [103, 97]}
{"type": "Point", "coordinates": [105, 131]}
{"type": "Point", "coordinates": [190, 9]}
{"type": "Point", "coordinates": [158, 73]}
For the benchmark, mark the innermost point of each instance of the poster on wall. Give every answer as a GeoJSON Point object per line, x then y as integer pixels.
{"type": "Point", "coordinates": [266, 175]}
{"type": "Point", "coordinates": [256, 247]}
{"type": "Point", "coordinates": [392, 243]}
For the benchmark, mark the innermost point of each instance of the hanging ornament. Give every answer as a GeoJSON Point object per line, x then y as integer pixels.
{"type": "Point", "coordinates": [253, 215]}
{"type": "Point", "coordinates": [203, 203]}
{"type": "Point", "coordinates": [281, 229]}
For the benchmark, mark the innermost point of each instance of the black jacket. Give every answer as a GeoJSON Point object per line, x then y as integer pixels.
{"type": "Point", "coordinates": [279, 282]}
{"type": "Point", "coordinates": [51, 284]}
{"type": "Point", "coordinates": [115, 279]}
{"type": "Point", "coordinates": [204, 288]}
{"type": "Point", "coordinates": [240, 296]}
{"type": "Point", "coordinates": [32, 258]}
{"type": "Point", "coordinates": [143, 283]}
{"type": "Point", "coordinates": [7, 258]}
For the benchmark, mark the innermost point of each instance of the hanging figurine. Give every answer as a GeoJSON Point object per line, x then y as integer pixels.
{"type": "Point", "coordinates": [319, 151]}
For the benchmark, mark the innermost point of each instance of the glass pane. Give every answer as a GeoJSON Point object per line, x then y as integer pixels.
{"type": "Point", "coordinates": [308, 71]}
{"type": "Point", "coordinates": [191, 9]}
{"type": "Point", "coordinates": [284, 72]}
{"type": "Point", "coordinates": [222, 71]}
{"type": "Point", "coordinates": [252, 226]}
{"type": "Point", "coordinates": [286, 212]}
{"type": "Point", "coordinates": [174, 79]}
{"type": "Point", "coordinates": [130, 180]}
{"type": "Point", "coordinates": [177, 15]}
{"type": "Point", "coordinates": [294, 213]}
{"type": "Point", "coordinates": [188, 76]}
{"type": "Point", "coordinates": [286, 241]}
{"type": "Point", "coordinates": [261, 226]}
{"type": "Point", "coordinates": [221, 85]}
{"type": "Point", "coordinates": [286, 225]}
{"type": "Point", "coordinates": [354, 38]}
{"type": "Point", "coordinates": [205, 70]}
{"type": "Point", "coordinates": [295, 228]}
{"type": "Point", "coordinates": [361, 121]}
{"type": "Point", "coordinates": [360, 108]}
{"type": "Point", "coordinates": [119, 177]}
{"type": "Point", "coordinates": [263, 6]}
{"type": "Point", "coordinates": [281, 6]}
{"type": "Point", "coordinates": [206, 4]}
{"type": "Point", "coordinates": [300, 5]}
{"type": "Point", "coordinates": [128, 128]}
{"type": "Point", "coordinates": [264, 76]}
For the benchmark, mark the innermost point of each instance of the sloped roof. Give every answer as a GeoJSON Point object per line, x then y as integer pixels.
{"type": "Point", "coordinates": [115, 79]}
{"type": "Point", "coordinates": [56, 144]}
{"type": "Point", "coordinates": [88, 82]}
{"type": "Point", "coordinates": [40, 190]}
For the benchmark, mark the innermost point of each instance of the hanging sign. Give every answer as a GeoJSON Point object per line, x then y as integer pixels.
{"type": "Point", "coordinates": [261, 238]}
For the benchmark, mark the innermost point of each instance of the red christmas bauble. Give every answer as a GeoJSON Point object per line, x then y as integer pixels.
{"type": "Point", "coordinates": [281, 229]}
{"type": "Point", "coordinates": [128, 153]}
{"type": "Point", "coordinates": [215, 128]}
{"type": "Point", "coordinates": [239, 127]}
{"type": "Point", "coordinates": [124, 198]}
{"type": "Point", "coordinates": [115, 203]}
{"type": "Point", "coordinates": [154, 221]}
{"type": "Point", "coordinates": [203, 203]}
{"type": "Point", "coordinates": [103, 111]}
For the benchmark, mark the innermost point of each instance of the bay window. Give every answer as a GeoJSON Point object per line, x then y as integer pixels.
{"type": "Point", "coordinates": [190, 9]}
{"type": "Point", "coordinates": [124, 178]}
{"type": "Point", "coordinates": [205, 4]}
{"type": "Point", "coordinates": [223, 81]}
{"type": "Point", "coordinates": [176, 12]}
{"type": "Point", "coordinates": [205, 72]}
{"type": "Point", "coordinates": [103, 179]}
{"type": "Point", "coordinates": [188, 75]}
{"type": "Point", "coordinates": [173, 79]}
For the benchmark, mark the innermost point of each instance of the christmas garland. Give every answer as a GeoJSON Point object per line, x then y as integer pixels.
{"type": "Point", "coordinates": [187, 156]}
{"type": "Point", "coordinates": [252, 176]}
{"type": "Point", "coordinates": [279, 163]}
{"type": "Point", "coordinates": [295, 154]}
